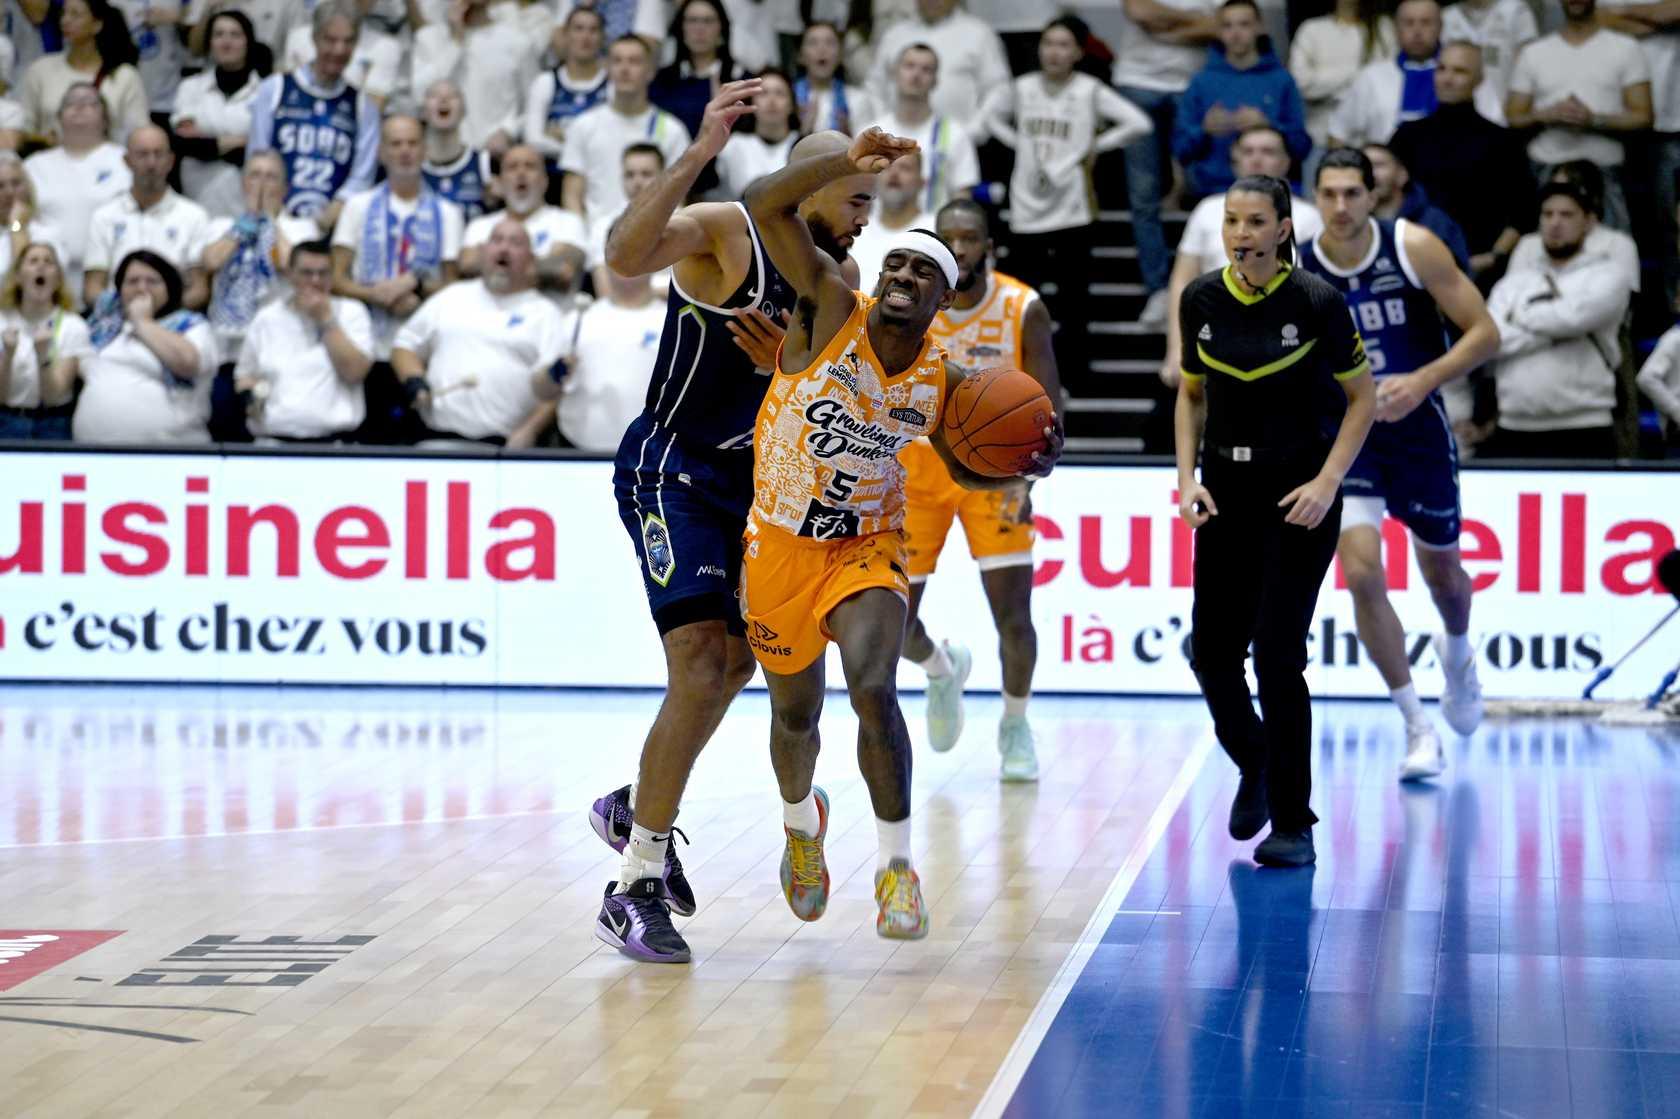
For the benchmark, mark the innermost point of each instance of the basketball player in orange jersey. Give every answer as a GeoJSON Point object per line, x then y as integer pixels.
{"type": "Point", "coordinates": [994, 320]}
{"type": "Point", "coordinates": [857, 381]}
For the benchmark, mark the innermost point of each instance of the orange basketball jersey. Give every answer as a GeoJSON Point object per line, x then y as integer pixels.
{"type": "Point", "coordinates": [989, 334]}
{"type": "Point", "coordinates": [827, 440]}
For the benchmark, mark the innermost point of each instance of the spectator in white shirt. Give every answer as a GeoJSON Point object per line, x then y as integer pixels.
{"type": "Point", "coordinates": [1501, 28]}
{"type": "Point", "coordinates": [751, 154]}
{"type": "Point", "coordinates": [950, 165]}
{"type": "Point", "coordinates": [826, 99]}
{"type": "Point", "coordinates": [452, 168]}
{"type": "Point", "coordinates": [489, 61]}
{"type": "Point", "coordinates": [1585, 87]}
{"type": "Point", "coordinates": [74, 179]}
{"type": "Point", "coordinates": [212, 116]}
{"type": "Point", "coordinates": [18, 226]}
{"type": "Point", "coordinates": [640, 167]}
{"type": "Point", "coordinates": [304, 359]}
{"type": "Point", "coordinates": [1326, 53]}
{"type": "Point", "coordinates": [1657, 27]}
{"type": "Point", "coordinates": [12, 116]}
{"type": "Point", "coordinates": [42, 342]}
{"type": "Point", "coordinates": [603, 378]}
{"type": "Point", "coordinates": [898, 207]}
{"type": "Point", "coordinates": [1201, 248]}
{"type": "Point", "coordinates": [1390, 91]}
{"type": "Point", "coordinates": [1659, 379]}
{"type": "Point", "coordinates": [156, 28]}
{"type": "Point", "coordinates": [596, 139]}
{"type": "Point", "coordinates": [377, 67]}
{"type": "Point", "coordinates": [467, 358]}
{"type": "Point", "coordinates": [558, 238]}
{"type": "Point", "coordinates": [245, 256]}
{"type": "Point", "coordinates": [643, 18]}
{"type": "Point", "coordinates": [1559, 345]}
{"type": "Point", "coordinates": [271, 20]}
{"type": "Point", "coordinates": [25, 25]}
{"type": "Point", "coordinates": [149, 379]}
{"type": "Point", "coordinates": [97, 51]}
{"type": "Point", "coordinates": [151, 215]}
{"type": "Point", "coordinates": [396, 244]}
{"type": "Point", "coordinates": [971, 58]}
{"type": "Point", "coordinates": [558, 96]}
{"type": "Point", "coordinates": [1588, 179]}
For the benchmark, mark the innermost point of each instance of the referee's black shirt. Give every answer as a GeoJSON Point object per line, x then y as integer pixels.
{"type": "Point", "coordinates": [1269, 360]}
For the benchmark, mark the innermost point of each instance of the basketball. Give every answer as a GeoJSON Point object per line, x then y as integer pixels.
{"type": "Point", "coordinates": [995, 422]}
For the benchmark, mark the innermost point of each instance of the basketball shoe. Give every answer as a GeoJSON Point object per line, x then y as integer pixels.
{"type": "Point", "coordinates": [804, 870]}
{"type": "Point", "coordinates": [945, 699]}
{"type": "Point", "coordinates": [612, 820]}
{"type": "Point", "coordinates": [637, 922]}
{"type": "Point", "coordinates": [898, 892]}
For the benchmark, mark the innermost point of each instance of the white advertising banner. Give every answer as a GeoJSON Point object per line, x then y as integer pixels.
{"type": "Point", "coordinates": [386, 570]}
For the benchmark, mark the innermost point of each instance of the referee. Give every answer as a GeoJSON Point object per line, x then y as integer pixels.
{"type": "Point", "coordinates": [1265, 347]}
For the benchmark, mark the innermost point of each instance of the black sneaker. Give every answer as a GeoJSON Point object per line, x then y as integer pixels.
{"type": "Point", "coordinates": [1286, 848]}
{"type": "Point", "coordinates": [637, 922]}
{"type": "Point", "coordinates": [678, 893]}
{"type": "Point", "coordinates": [1248, 808]}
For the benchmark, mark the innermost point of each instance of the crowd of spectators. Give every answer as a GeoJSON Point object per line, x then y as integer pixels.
{"type": "Point", "coordinates": [384, 220]}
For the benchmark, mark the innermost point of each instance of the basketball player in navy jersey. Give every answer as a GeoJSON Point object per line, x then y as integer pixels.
{"type": "Point", "coordinates": [684, 481]}
{"type": "Point", "coordinates": [323, 127]}
{"type": "Point", "coordinates": [1401, 282]}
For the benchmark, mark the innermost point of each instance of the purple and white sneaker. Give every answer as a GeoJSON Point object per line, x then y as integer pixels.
{"type": "Point", "coordinates": [612, 819]}
{"type": "Point", "coordinates": [637, 922]}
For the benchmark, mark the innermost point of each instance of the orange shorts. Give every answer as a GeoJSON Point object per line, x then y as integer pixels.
{"type": "Point", "coordinates": [790, 584]}
{"type": "Point", "coordinates": [998, 523]}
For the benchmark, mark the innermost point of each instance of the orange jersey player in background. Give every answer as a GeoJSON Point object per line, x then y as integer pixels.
{"type": "Point", "coordinates": [993, 320]}
{"type": "Point", "coordinates": [857, 381]}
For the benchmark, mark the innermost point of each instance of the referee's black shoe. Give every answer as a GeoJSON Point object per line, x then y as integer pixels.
{"type": "Point", "coordinates": [1249, 812]}
{"type": "Point", "coordinates": [1286, 848]}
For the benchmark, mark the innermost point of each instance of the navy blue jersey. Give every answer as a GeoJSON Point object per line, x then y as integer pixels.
{"type": "Point", "coordinates": [463, 182]}
{"type": "Point", "coordinates": [568, 102]}
{"type": "Point", "coordinates": [1398, 319]}
{"type": "Point", "coordinates": [316, 136]}
{"type": "Point", "coordinates": [704, 387]}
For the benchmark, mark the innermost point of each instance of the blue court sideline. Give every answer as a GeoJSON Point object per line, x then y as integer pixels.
{"type": "Point", "coordinates": [1502, 944]}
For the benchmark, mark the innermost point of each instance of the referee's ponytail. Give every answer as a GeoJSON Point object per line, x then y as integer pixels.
{"type": "Point", "coordinates": [1278, 191]}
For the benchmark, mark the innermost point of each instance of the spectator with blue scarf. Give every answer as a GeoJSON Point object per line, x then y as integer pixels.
{"type": "Point", "coordinates": [398, 243]}
{"type": "Point", "coordinates": [148, 381]}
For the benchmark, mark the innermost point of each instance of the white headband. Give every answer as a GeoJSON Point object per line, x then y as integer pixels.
{"type": "Point", "coordinates": [915, 241]}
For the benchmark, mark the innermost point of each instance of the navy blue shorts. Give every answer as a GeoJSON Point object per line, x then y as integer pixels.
{"type": "Point", "coordinates": [1412, 468]}
{"type": "Point", "coordinates": [685, 513]}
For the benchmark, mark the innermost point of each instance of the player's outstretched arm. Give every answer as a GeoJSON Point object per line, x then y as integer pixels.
{"type": "Point", "coordinates": [651, 234]}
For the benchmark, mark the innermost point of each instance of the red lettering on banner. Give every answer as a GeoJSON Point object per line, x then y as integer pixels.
{"type": "Point", "coordinates": [456, 530]}
{"type": "Point", "coordinates": [1528, 543]}
{"type": "Point", "coordinates": [1615, 574]}
{"type": "Point", "coordinates": [332, 536]}
{"type": "Point", "coordinates": [1574, 543]}
{"type": "Point", "coordinates": [198, 529]}
{"type": "Point", "coordinates": [1047, 530]}
{"type": "Point", "coordinates": [498, 560]}
{"type": "Point", "coordinates": [1136, 571]}
{"type": "Point", "coordinates": [414, 553]}
{"type": "Point", "coordinates": [27, 559]}
{"type": "Point", "coordinates": [1484, 548]}
{"type": "Point", "coordinates": [115, 526]}
{"type": "Point", "coordinates": [241, 520]}
{"type": "Point", "coordinates": [73, 534]}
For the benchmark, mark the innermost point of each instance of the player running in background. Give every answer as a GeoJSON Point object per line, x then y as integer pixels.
{"type": "Point", "coordinates": [1400, 282]}
{"type": "Point", "coordinates": [683, 479]}
{"type": "Point", "coordinates": [993, 320]}
{"type": "Point", "coordinates": [858, 380]}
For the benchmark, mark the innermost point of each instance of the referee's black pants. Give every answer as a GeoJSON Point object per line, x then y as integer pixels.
{"type": "Point", "coordinates": [1257, 581]}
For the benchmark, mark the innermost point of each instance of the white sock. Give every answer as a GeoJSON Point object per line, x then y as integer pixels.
{"type": "Point", "coordinates": [644, 855]}
{"type": "Point", "coordinates": [1458, 650]}
{"type": "Point", "coordinates": [893, 838]}
{"type": "Point", "coordinates": [1410, 705]}
{"type": "Point", "coordinates": [937, 665]}
{"type": "Point", "coordinates": [803, 816]}
{"type": "Point", "coordinates": [1015, 706]}
{"type": "Point", "coordinates": [633, 785]}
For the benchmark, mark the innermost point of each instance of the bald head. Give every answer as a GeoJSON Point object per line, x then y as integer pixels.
{"type": "Point", "coordinates": [820, 143]}
{"type": "Point", "coordinates": [509, 264]}
{"type": "Point", "coordinates": [149, 161]}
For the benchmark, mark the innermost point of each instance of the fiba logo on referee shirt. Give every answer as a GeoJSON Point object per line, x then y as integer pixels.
{"type": "Point", "coordinates": [1291, 335]}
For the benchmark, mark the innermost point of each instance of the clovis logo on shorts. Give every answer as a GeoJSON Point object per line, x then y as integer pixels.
{"type": "Point", "coordinates": [839, 433]}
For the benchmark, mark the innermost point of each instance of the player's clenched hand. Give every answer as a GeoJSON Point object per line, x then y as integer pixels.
{"type": "Point", "coordinates": [1307, 504]}
{"type": "Point", "coordinates": [1045, 461]}
{"type": "Point", "coordinates": [733, 101]}
{"type": "Point", "coordinates": [1398, 396]}
{"type": "Point", "coordinates": [874, 150]}
{"type": "Point", "coordinates": [759, 335]}
{"type": "Point", "coordinates": [1195, 505]}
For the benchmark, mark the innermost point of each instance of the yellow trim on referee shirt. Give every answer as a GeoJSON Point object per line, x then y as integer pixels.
{"type": "Point", "coordinates": [1189, 376]}
{"type": "Point", "coordinates": [1362, 367]}
{"type": "Point", "coordinates": [1263, 371]}
{"type": "Point", "coordinates": [1242, 296]}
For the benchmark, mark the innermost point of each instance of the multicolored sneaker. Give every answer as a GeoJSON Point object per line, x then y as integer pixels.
{"type": "Point", "coordinates": [1015, 743]}
{"type": "Point", "coordinates": [678, 893]}
{"type": "Point", "coordinates": [611, 818]}
{"type": "Point", "coordinates": [944, 699]}
{"type": "Point", "coordinates": [898, 891]}
{"type": "Point", "coordinates": [637, 922]}
{"type": "Point", "coordinates": [804, 870]}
